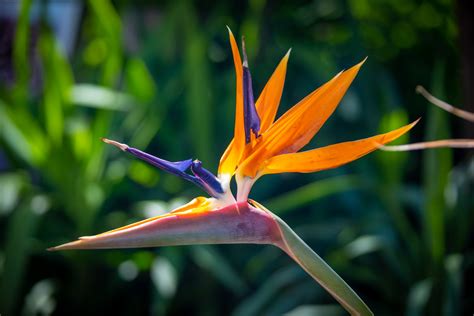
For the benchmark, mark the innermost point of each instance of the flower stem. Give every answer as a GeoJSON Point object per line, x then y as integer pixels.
{"type": "Point", "coordinates": [244, 184]}
{"type": "Point", "coordinates": [315, 266]}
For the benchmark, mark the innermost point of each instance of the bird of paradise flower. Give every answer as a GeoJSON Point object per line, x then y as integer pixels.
{"type": "Point", "coordinates": [260, 146]}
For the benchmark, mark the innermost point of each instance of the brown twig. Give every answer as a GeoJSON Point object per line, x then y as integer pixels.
{"type": "Point", "coordinates": [445, 106]}
{"type": "Point", "coordinates": [444, 143]}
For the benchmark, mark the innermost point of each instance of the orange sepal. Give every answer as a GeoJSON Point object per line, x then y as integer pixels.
{"type": "Point", "coordinates": [233, 223]}
{"type": "Point", "coordinates": [298, 125]}
{"type": "Point", "coordinates": [232, 154]}
{"type": "Point", "coordinates": [330, 156]}
{"type": "Point", "coordinates": [269, 100]}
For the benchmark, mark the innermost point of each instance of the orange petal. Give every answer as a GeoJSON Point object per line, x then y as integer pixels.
{"type": "Point", "coordinates": [196, 205]}
{"type": "Point", "coordinates": [232, 154]}
{"type": "Point", "coordinates": [298, 125]}
{"type": "Point", "coordinates": [331, 156]}
{"type": "Point", "coordinates": [267, 103]}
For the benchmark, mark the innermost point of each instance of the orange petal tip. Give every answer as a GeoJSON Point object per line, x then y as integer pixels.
{"type": "Point", "coordinates": [412, 124]}
{"type": "Point", "coordinates": [357, 66]}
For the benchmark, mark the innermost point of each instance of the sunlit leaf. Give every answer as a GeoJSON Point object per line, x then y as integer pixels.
{"type": "Point", "coordinates": [99, 97]}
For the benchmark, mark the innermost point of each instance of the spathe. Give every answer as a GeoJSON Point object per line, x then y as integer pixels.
{"type": "Point", "coordinates": [233, 224]}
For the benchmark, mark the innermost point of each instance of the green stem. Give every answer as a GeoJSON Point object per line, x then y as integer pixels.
{"type": "Point", "coordinates": [315, 266]}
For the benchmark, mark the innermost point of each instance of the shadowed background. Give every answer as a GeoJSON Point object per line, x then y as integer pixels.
{"type": "Point", "coordinates": [159, 76]}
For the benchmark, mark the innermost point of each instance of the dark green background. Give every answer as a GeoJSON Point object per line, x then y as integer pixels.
{"type": "Point", "coordinates": [160, 76]}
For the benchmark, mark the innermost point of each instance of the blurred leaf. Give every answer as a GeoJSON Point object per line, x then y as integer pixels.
{"type": "Point", "coordinates": [143, 260]}
{"type": "Point", "coordinates": [312, 192]}
{"type": "Point", "coordinates": [20, 52]}
{"type": "Point", "coordinates": [418, 298]}
{"type": "Point", "coordinates": [58, 81]}
{"type": "Point", "coordinates": [2, 262]}
{"type": "Point", "coordinates": [100, 126]}
{"type": "Point", "coordinates": [108, 18]}
{"type": "Point", "coordinates": [459, 193]}
{"type": "Point", "coordinates": [101, 98]}
{"type": "Point", "coordinates": [454, 280]}
{"type": "Point", "coordinates": [57, 71]}
{"type": "Point", "coordinates": [250, 28]}
{"type": "Point", "coordinates": [164, 277]}
{"type": "Point", "coordinates": [10, 186]}
{"type": "Point", "coordinates": [310, 310]}
{"type": "Point", "coordinates": [393, 162]}
{"type": "Point", "coordinates": [95, 53]}
{"type": "Point", "coordinates": [111, 28]}
{"type": "Point", "coordinates": [392, 165]}
{"type": "Point", "coordinates": [266, 291]}
{"type": "Point", "coordinates": [13, 136]}
{"type": "Point", "coordinates": [148, 127]}
{"type": "Point", "coordinates": [436, 167]}
{"type": "Point", "coordinates": [208, 258]}
{"type": "Point", "coordinates": [363, 245]}
{"type": "Point", "coordinates": [128, 270]}
{"type": "Point", "coordinates": [139, 80]}
{"type": "Point", "coordinates": [21, 227]}
{"type": "Point", "coordinates": [143, 173]}
{"type": "Point", "coordinates": [427, 16]}
{"type": "Point", "coordinates": [79, 131]}
{"type": "Point", "coordinates": [94, 195]}
{"type": "Point", "coordinates": [199, 113]}
{"type": "Point", "coordinates": [22, 133]}
{"type": "Point", "coordinates": [290, 297]}
{"type": "Point", "coordinates": [154, 208]}
{"type": "Point", "coordinates": [40, 300]}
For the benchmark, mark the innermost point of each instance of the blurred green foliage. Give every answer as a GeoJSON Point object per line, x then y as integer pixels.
{"type": "Point", "coordinates": [159, 76]}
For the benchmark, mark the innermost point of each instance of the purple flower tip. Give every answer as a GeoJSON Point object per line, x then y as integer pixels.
{"type": "Point", "coordinates": [251, 118]}
{"type": "Point", "coordinates": [201, 177]}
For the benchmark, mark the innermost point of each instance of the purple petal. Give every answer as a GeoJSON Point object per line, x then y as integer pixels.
{"type": "Point", "coordinates": [174, 167]}
{"type": "Point", "coordinates": [251, 119]}
{"type": "Point", "coordinates": [202, 177]}
{"type": "Point", "coordinates": [206, 178]}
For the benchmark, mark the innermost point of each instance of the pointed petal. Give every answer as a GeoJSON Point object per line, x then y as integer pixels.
{"type": "Point", "coordinates": [232, 154]}
{"type": "Point", "coordinates": [330, 156]}
{"type": "Point", "coordinates": [202, 177]}
{"type": "Point", "coordinates": [173, 167]}
{"type": "Point", "coordinates": [251, 118]}
{"type": "Point", "coordinates": [266, 105]}
{"type": "Point", "coordinates": [269, 100]}
{"type": "Point", "coordinates": [296, 127]}
{"type": "Point", "coordinates": [235, 223]}
{"type": "Point", "coordinates": [206, 179]}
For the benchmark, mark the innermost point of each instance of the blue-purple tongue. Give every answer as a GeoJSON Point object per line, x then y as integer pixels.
{"type": "Point", "coordinates": [201, 177]}
{"type": "Point", "coordinates": [207, 179]}
{"type": "Point", "coordinates": [251, 119]}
